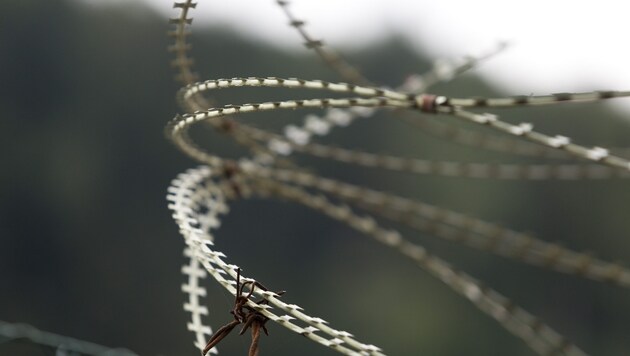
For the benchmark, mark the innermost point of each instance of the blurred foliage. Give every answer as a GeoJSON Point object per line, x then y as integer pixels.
{"type": "Point", "coordinates": [88, 249]}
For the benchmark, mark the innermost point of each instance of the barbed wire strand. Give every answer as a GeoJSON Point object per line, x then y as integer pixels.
{"type": "Point", "coordinates": [331, 59]}
{"type": "Point", "coordinates": [525, 131]}
{"type": "Point", "coordinates": [15, 331]}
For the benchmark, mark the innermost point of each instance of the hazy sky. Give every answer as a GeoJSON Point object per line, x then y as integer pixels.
{"type": "Point", "coordinates": [558, 46]}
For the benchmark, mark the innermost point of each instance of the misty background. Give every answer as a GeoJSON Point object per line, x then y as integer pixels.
{"type": "Point", "coordinates": [88, 248]}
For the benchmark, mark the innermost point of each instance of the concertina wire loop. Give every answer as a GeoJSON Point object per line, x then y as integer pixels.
{"type": "Point", "coordinates": [200, 196]}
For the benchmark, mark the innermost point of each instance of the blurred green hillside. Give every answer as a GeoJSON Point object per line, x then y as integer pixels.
{"type": "Point", "coordinates": [88, 248]}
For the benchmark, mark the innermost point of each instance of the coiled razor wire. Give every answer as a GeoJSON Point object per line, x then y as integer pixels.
{"type": "Point", "coordinates": [199, 196]}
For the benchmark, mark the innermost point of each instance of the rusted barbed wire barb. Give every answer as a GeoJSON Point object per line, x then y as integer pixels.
{"type": "Point", "coordinates": [243, 314]}
{"type": "Point", "coordinates": [188, 193]}
{"type": "Point", "coordinates": [199, 196]}
{"type": "Point", "coordinates": [197, 201]}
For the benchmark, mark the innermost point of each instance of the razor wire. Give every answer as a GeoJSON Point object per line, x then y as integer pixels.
{"type": "Point", "coordinates": [186, 195]}
{"type": "Point", "coordinates": [199, 196]}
